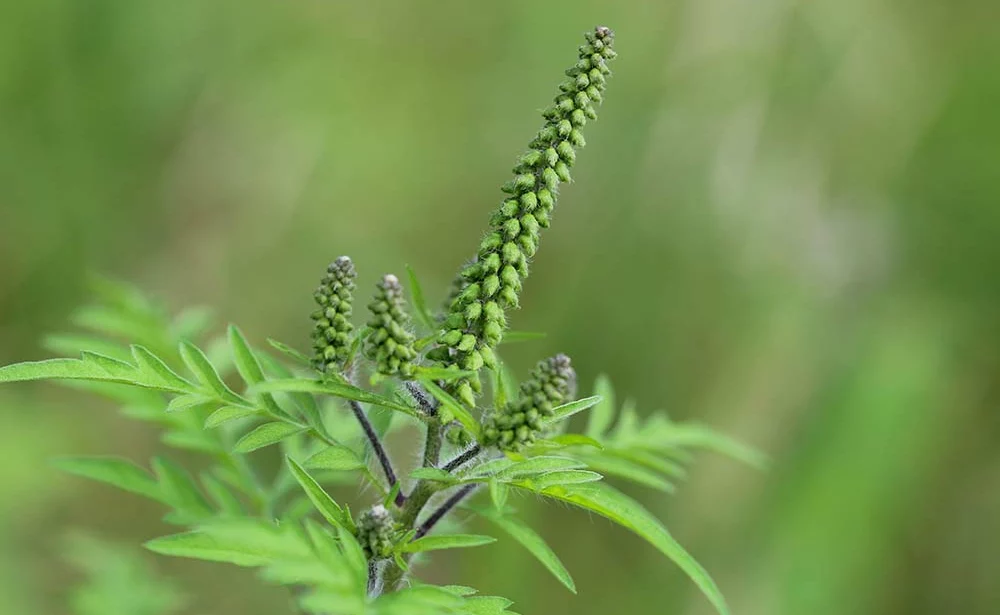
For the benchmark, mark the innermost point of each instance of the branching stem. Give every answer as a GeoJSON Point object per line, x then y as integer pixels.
{"type": "Point", "coordinates": [462, 458]}
{"type": "Point", "coordinates": [373, 439]}
{"type": "Point", "coordinates": [444, 509]}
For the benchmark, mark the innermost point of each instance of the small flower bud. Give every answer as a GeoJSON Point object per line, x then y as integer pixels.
{"type": "Point", "coordinates": [376, 532]}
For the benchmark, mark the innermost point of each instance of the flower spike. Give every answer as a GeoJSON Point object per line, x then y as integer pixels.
{"type": "Point", "coordinates": [333, 328]}
{"type": "Point", "coordinates": [491, 284]}
{"type": "Point", "coordinates": [517, 425]}
{"type": "Point", "coordinates": [390, 343]}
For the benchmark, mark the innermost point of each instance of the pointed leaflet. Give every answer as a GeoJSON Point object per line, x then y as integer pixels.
{"type": "Point", "coordinates": [335, 388]}
{"type": "Point", "coordinates": [623, 510]}
{"type": "Point", "coordinates": [249, 367]}
{"type": "Point", "coordinates": [623, 468]}
{"type": "Point", "coordinates": [90, 366]}
{"type": "Point", "coordinates": [198, 545]}
{"type": "Point", "coordinates": [539, 465]}
{"type": "Point", "coordinates": [179, 489]}
{"type": "Point", "coordinates": [155, 368]}
{"type": "Point", "coordinates": [330, 510]}
{"type": "Point", "coordinates": [603, 414]}
{"type": "Point", "coordinates": [229, 413]}
{"type": "Point", "coordinates": [534, 543]}
{"type": "Point", "coordinates": [203, 369]}
{"type": "Point", "coordinates": [451, 541]}
{"type": "Point", "coordinates": [564, 411]}
{"type": "Point", "coordinates": [266, 435]}
{"type": "Point", "coordinates": [244, 542]}
{"type": "Point", "coordinates": [114, 471]}
{"type": "Point", "coordinates": [335, 458]}
{"type": "Point", "coordinates": [565, 477]}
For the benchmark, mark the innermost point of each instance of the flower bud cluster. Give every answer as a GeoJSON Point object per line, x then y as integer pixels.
{"type": "Point", "coordinates": [333, 328]}
{"type": "Point", "coordinates": [491, 284]}
{"type": "Point", "coordinates": [389, 343]}
{"type": "Point", "coordinates": [376, 529]}
{"type": "Point", "coordinates": [518, 424]}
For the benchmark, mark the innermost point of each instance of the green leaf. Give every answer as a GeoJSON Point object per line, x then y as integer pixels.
{"type": "Point", "coordinates": [563, 412]}
{"type": "Point", "coordinates": [187, 402]}
{"type": "Point", "coordinates": [229, 413]}
{"type": "Point", "coordinates": [565, 477]}
{"type": "Point", "coordinates": [227, 502]}
{"type": "Point", "coordinates": [330, 510]}
{"type": "Point", "coordinates": [243, 542]}
{"type": "Point", "coordinates": [700, 436]}
{"type": "Point", "coordinates": [539, 465]}
{"type": "Point", "coordinates": [203, 369]}
{"type": "Point", "coordinates": [155, 368]}
{"type": "Point", "coordinates": [623, 468]}
{"type": "Point", "coordinates": [419, 303]}
{"type": "Point", "coordinates": [90, 366]}
{"type": "Point", "coordinates": [266, 435]}
{"type": "Point", "coordinates": [603, 414]}
{"type": "Point", "coordinates": [114, 471]}
{"type": "Point", "coordinates": [332, 387]}
{"type": "Point", "coordinates": [338, 458]}
{"type": "Point", "coordinates": [199, 545]}
{"type": "Point", "coordinates": [290, 352]}
{"type": "Point", "coordinates": [498, 493]}
{"type": "Point", "coordinates": [487, 605]}
{"type": "Point", "coordinates": [535, 545]}
{"type": "Point", "coordinates": [461, 413]}
{"type": "Point", "coordinates": [179, 489]}
{"type": "Point", "coordinates": [434, 474]}
{"type": "Point", "coordinates": [450, 541]}
{"type": "Point", "coordinates": [623, 510]}
{"type": "Point", "coordinates": [488, 468]}
{"type": "Point", "coordinates": [249, 367]}
{"type": "Point", "coordinates": [575, 439]}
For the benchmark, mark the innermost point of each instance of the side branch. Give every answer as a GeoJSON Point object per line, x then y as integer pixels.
{"type": "Point", "coordinates": [444, 509]}
{"type": "Point", "coordinates": [383, 457]}
{"type": "Point", "coordinates": [463, 458]}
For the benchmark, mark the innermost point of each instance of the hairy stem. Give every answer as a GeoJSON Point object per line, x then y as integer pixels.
{"type": "Point", "coordinates": [463, 458]}
{"type": "Point", "coordinates": [427, 403]}
{"type": "Point", "coordinates": [444, 509]}
{"type": "Point", "coordinates": [373, 439]}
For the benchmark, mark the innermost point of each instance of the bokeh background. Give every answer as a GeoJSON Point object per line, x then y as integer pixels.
{"type": "Point", "coordinates": [785, 225]}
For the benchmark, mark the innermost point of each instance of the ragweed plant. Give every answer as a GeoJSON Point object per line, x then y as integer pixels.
{"type": "Point", "coordinates": [234, 399]}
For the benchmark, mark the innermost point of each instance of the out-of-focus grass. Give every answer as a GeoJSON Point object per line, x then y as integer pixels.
{"type": "Point", "coordinates": [789, 210]}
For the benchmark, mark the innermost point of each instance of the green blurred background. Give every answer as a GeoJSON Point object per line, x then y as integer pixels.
{"type": "Point", "coordinates": [785, 225]}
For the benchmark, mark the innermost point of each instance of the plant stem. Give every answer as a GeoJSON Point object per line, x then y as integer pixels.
{"type": "Point", "coordinates": [427, 403]}
{"type": "Point", "coordinates": [462, 458]}
{"type": "Point", "coordinates": [444, 509]}
{"type": "Point", "coordinates": [418, 498]}
{"type": "Point", "coordinates": [383, 457]}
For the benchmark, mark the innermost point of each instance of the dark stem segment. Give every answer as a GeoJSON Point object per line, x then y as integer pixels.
{"type": "Point", "coordinates": [444, 509]}
{"type": "Point", "coordinates": [462, 458]}
{"type": "Point", "coordinates": [383, 457]}
{"type": "Point", "coordinates": [427, 403]}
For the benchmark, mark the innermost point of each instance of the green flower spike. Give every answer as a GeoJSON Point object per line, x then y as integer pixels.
{"type": "Point", "coordinates": [332, 332]}
{"type": "Point", "coordinates": [517, 425]}
{"type": "Point", "coordinates": [390, 342]}
{"type": "Point", "coordinates": [492, 283]}
{"type": "Point", "coordinates": [376, 529]}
